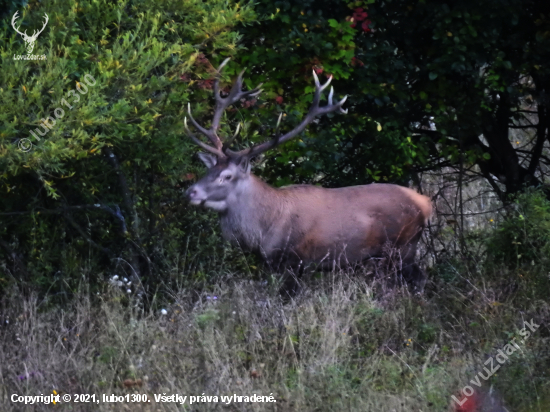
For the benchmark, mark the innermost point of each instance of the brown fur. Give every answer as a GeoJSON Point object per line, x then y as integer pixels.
{"type": "Point", "coordinates": [342, 225]}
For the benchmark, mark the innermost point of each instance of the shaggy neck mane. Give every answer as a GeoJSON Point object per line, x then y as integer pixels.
{"type": "Point", "coordinates": [252, 212]}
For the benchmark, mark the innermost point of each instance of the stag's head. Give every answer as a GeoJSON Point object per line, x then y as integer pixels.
{"type": "Point", "coordinates": [226, 179]}
{"type": "Point", "coordinates": [228, 170]}
{"type": "Point", "coordinates": [29, 40]}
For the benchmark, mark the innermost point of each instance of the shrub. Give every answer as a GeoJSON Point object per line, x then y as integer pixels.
{"type": "Point", "coordinates": [523, 237]}
{"type": "Point", "coordinates": [101, 189]}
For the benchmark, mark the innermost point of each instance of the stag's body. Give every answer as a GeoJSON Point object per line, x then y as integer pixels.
{"type": "Point", "coordinates": [296, 226]}
{"type": "Point", "coordinates": [303, 224]}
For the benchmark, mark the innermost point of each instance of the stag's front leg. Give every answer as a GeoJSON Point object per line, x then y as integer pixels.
{"type": "Point", "coordinates": [290, 269]}
{"type": "Point", "coordinates": [291, 283]}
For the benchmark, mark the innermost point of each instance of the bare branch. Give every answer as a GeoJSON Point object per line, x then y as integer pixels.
{"type": "Point", "coordinates": [88, 239]}
{"type": "Point", "coordinates": [62, 210]}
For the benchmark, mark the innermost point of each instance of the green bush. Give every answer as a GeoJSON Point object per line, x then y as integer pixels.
{"type": "Point", "coordinates": [101, 190]}
{"type": "Point", "coordinates": [523, 237]}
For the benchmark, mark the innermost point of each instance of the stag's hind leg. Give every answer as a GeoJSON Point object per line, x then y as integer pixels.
{"type": "Point", "coordinates": [414, 276]}
{"type": "Point", "coordinates": [400, 267]}
{"type": "Point", "coordinates": [411, 272]}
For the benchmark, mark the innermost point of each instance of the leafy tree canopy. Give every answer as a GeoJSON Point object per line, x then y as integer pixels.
{"type": "Point", "coordinates": [430, 83]}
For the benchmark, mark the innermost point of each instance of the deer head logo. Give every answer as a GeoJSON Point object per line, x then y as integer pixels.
{"type": "Point", "coordinates": [29, 40]}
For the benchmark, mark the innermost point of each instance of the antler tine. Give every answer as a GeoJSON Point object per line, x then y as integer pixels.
{"type": "Point", "coordinates": [318, 85]}
{"type": "Point", "coordinates": [318, 91]}
{"type": "Point", "coordinates": [253, 151]}
{"type": "Point", "coordinates": [275, 141]}
{"type": "Point", "coordinates": [212, 136]}
{"type": "Point", "coordinates": [314, 111]}
{"type": "Point", "coordinates": [278, 123]}
{"type": "Point", "coordinates": [210, 149]}
{"type": "Point", "coordinates": [227, 143]}
{"type": "Point", "coordinates": [217, 82]}
{"type": "Point", "coordinates": [234, 96]}
{"type": "Point", "coordinates": [221, 149]}
{"type": "Point", "coordinates": [341, 102]}
{"type": "Point", "coordinates": [221, 102]}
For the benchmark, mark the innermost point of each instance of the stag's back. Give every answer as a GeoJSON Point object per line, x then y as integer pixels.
{"type": "Point", "coordinates": [358, 216]}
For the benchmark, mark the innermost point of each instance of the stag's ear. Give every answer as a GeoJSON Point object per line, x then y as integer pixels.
{"type": "Point", "coordinates": [208, 159]}
{"type": "Point", "coordinates": [244, 164]}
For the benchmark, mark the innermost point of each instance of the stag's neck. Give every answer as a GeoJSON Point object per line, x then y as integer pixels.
{"type": "Point", "coordinates": [250, 213]}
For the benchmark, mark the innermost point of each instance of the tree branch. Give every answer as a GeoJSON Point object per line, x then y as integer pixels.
{"type": "Point", "coordinates": [116, 213]}
{"type": "Point", "coordinates": [126, 193]}
{"type": "Point", "coordinates": [86, 237]}
{"type": "Point", "coordinates": [542, 126]}
{"type": "Point", "coordinates": [130, 210]}
{"type": "Point", "coordinates": [530, 126]}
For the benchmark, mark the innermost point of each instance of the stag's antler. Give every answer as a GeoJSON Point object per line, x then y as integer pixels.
{"type": "Point", "coordinates": [221, 149]}
{"type": "Point", "coordinates": [314, 110]}
{"type": "Point", "coordinates": [234, 96]}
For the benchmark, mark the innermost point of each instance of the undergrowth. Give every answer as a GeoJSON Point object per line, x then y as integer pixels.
{"type": "Point", "coordinates": [344, 343]}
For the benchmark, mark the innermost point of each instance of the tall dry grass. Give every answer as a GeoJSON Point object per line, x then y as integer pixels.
{"type": "Point", "coordinates": [345, 343]}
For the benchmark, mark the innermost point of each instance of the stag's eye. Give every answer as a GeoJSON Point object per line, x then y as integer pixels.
{"type": "Point", "coordinates": [225, 178]}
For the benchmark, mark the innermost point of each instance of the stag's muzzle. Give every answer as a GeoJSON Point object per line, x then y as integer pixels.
{"type": "Point", "coordinates": [195, 195]}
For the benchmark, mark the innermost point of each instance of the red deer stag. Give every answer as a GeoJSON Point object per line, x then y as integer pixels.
{"type": "Point", "coordinates": [298, 225]}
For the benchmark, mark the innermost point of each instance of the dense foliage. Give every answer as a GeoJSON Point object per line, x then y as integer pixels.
{"type": "Point", "coordinates": [426, 80]}
{"type": "Point", "coordinates": [103, 181]}
{"type": "Point", "coordinates": [523, 238]}
{"type": "Point", "coordinates": [93, 161]}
